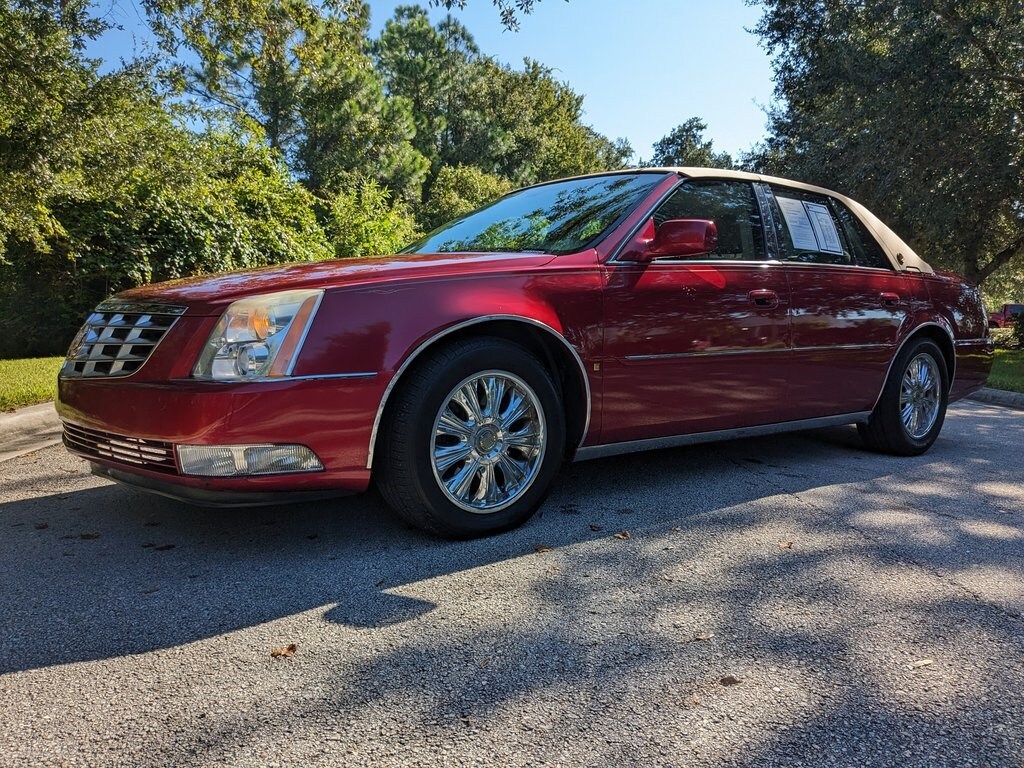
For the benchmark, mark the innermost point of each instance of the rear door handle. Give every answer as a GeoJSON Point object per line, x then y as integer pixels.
{"type": "Point", "coordinates": [890, 299]}
{"type": "Point", "coordinates": [764, 298]}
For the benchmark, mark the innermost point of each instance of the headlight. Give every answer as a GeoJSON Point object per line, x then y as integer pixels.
{"type": "Point", "coordinates": [258, 337]}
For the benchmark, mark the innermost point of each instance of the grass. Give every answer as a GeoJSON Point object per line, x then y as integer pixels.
{"type": "Point", "coordinates": [28, 381]}
{"type": "Point", "coordinates": [1008, 370]}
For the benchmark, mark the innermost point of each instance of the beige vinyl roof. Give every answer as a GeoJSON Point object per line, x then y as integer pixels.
{"type": "Point", "coordinates": [900, 254]}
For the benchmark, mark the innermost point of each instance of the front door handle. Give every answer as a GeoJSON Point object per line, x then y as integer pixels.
{"type": "Point", "coordinates": [764, 298]}
{"type": "Point", "coordinates": [890, 299]}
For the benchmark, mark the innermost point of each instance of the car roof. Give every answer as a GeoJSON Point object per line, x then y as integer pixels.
{"type": "Point", "coordinates": [902, 256]}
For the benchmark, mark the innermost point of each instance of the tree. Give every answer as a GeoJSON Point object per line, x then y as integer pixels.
{"type": "Point", "coordinates": [460, 190]}
{"type": "Point", "coordinates": [509, 9]}
{"type": "Point", "coordinates": [684, 145]}
{"type": "Point", "coordinates": [104, 188]}
{"type": "Point", "coordinates": [913, 107]}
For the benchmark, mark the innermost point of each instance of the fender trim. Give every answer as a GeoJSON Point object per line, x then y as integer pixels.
{"type": "Point", "coordinates": [888, 371]}
{"type": "Point", "coordinates": [458, 327]}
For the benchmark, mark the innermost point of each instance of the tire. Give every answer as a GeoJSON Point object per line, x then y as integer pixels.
{"type": "Point", "coordinates": [458, 476]}
{"type": "Point", "coordinates": [918, 389]}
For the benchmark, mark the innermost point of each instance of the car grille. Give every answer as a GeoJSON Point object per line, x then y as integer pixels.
{"type": "Point", "coordinates": [117, 339]}
{"type": "Point", "coordinates": [147, 454]}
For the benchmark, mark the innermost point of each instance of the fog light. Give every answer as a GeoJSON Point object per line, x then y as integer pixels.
{"type": "Point", "coordinates": [237, 460]}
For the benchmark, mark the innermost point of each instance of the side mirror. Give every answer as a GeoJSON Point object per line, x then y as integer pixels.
{"type": "Point", "coordinates": [684, 237]}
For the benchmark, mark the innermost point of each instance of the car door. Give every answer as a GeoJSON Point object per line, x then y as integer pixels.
{"type": "Point", "coordinates": [848, 302]}
{"type": "Point", "coordinates": [696, 344]}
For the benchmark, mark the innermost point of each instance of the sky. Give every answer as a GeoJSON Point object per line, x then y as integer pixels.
{"type": "Point", "coordinates": [643, 67]}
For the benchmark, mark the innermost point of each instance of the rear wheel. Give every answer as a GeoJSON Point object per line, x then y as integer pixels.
{"type": "Point", "coordinates": [910, 413]}
{"type": "Point", "coordinates": [472, 440]}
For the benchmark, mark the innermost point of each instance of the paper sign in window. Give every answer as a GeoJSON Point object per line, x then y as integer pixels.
{"type": "Point", "coordinates": [824, 228]}
{"type": "Point", "coordinates": [799, 224]}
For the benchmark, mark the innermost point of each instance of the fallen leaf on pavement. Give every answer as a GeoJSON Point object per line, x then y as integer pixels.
{"type": "Point", "coordinates": [786, 544]}
{"type": "Point", "coordinates": [42, 526]}
{"type": "Point", "coordinates": [88, 536]}
{"type": "Point", "coordinates": [596, 527]}
{"type": "Point", "coordinates": [677, 529]}
{"type": "Point", "coordinates": [621, 535]}
{"type": "Point", "coordinates": [164, 547]}
{"type": "Point", "coordinates": [730, 680]}
{"type": "Point", "coordinates": [541, 548]}
{"type": "Point", "coordinates": [287, 651]}
{"type": "Point", "coordinates": [703, 635]}
{"type": "Point", "coordinates": [922, 663]}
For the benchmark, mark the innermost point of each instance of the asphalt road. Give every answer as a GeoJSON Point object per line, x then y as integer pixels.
{"type": "Point", "coordinates": [782, 601]}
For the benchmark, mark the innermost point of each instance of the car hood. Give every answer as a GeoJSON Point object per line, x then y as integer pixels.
{"type": "Point", "coordinates": [210, 293]}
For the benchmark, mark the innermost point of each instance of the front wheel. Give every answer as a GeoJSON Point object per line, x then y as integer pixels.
{"type": "Point", "coordinates": [910, 413]}
{"type": "Point", "coordinates": [473, 440]}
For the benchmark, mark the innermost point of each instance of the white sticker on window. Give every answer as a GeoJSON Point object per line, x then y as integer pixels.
{"type": "Point", "coordinates": [824, 228]}
{"type": "Point", "coordinates": [798, 223]}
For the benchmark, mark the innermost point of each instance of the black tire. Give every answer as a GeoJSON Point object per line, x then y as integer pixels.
{"type": "Point", "coordinates": [885, 431]}
{"type": "Point", "coordinates": [404, 469]}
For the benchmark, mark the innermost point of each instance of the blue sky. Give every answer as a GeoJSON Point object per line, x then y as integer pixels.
{"type": "Point", "coordinates": [643, 67]}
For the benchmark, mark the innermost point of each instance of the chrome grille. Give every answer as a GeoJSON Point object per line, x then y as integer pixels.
{"type": "Point", "coordinates": [118, 338]}
{"type": "Point", "coordinates": [147, 454]}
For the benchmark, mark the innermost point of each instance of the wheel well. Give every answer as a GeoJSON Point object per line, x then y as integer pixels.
{"type": "Point", "coordinates": [945, 344]}
{"type": "Point", "coordinates": [546, 347]}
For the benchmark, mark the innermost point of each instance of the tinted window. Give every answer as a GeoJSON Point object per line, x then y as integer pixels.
{"type": "Point", "coordinates": [817, 229]}
{"type": "Point", "coordinates": [866, 250]}
{"type": "Point", "coordinates": [562, 217]}
{"type": "Point", "coordinates": [733, 208]}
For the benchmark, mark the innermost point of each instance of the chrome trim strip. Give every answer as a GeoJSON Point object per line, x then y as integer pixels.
{"type": "Point", "coordinates": [674, 441]}
{"type": "Point", "coordinates": [139, 307]}
{"type": "Point", "coordinates": [888, 371]}
{"type": "Point", "coordinates": [305, 332]}
{"type": "Point", "coordinates": [673, 355]}
{"type": "Point", "coordinates": [285, 379]}
{"type": "Point", "coordinates": [979, 340]}
{"type": "Point", "coordinates": [756, 350]}
{"type": "Point", "coordinates": [458, 327]}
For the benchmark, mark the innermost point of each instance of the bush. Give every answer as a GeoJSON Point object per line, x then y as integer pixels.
{"type": "Point", "coordinates": [362, 220]}
{"type": "Point", "coordinates": [1018, 331]}
{"type": "Point", "coordinates": [217, 202]}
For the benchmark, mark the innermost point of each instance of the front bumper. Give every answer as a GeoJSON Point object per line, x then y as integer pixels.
{"type": "Point", "coordinates": [332, 416]}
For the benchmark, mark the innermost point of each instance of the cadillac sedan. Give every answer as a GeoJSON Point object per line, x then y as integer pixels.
{"type": "Point", "coordinates": [575, 319]}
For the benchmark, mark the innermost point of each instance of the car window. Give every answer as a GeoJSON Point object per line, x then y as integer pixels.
{"type": "Point", "coordinates": [807, 230]}
{"type": "Point", "coordinates": [817, 229]}
{"type": "Point", "coordinates": [733, 208]}
{"type": "Point", "coordinates": [562, 217]}
{"type": "Point", "coordinates": [866, 250]}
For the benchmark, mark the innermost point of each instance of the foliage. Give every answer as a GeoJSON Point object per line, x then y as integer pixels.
{"type": "Point", "coordinates": [1018, 330]}
{"type": "Point", "coordinates": [27, 382]}
{"type": "Point", "coordinates": [1008, 370]}
{"type": "Point", "coordinates": [460, 190]}
{"type": "Point", "coordinates": [364, 221]}
{"type": "Point", "coordinates": [913, 108]}
{"type": "Point", "coordinates": [510, 10]}
{"type": "Point", "coordinates": [685, 146]}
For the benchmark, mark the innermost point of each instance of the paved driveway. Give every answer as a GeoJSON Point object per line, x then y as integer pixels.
{"type": "Point", "coordinates": [790, 600]}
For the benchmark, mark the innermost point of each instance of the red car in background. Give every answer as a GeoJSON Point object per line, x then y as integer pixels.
{"type": "Point", "coordinates": [1007, 316]}
{"type": "Point", "coordinates": [574, 319]}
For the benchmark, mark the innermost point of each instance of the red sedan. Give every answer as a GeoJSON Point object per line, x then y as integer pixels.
{"type": "Point", "coordinates": [575, 319]}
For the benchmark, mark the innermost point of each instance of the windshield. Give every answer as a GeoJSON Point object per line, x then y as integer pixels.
{"type": "Point", "coordinates": [562, 217]}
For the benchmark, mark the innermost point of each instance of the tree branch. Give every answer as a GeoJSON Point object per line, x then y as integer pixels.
{"type": "Point", "coordinates": [1001, 258]}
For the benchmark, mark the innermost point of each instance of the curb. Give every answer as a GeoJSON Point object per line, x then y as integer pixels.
{"type": "Point", "coordinates": [998, 397]}
{"type": "Point", "coordinates": [28, 429]}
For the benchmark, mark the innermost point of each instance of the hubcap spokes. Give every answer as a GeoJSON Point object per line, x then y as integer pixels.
{"type": "Point", "coordinates": [488, 441]}
{"type": "Point", "coordinates": [920, 396]}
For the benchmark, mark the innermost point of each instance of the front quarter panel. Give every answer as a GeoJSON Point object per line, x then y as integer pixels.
{"type": "Point", "coordinates": [378, 328]}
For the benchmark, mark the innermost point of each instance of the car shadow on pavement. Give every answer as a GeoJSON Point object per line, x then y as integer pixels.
{"type": "Point", "coordinates": [107, 571]}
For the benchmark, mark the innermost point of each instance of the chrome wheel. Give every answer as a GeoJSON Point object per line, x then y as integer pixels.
{"type": "Point", "coordinates": [920, 396]}
{"type": "Point", "coordinates": [488, 441]}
